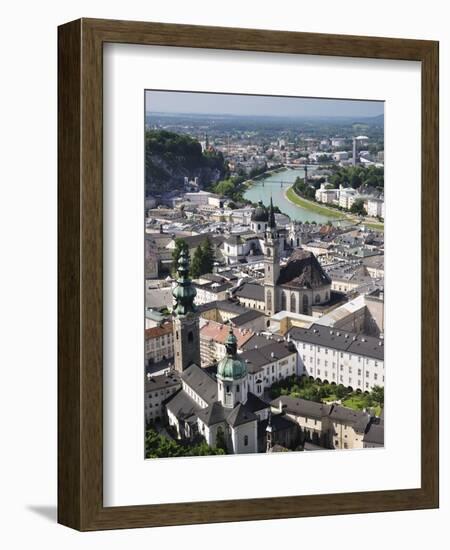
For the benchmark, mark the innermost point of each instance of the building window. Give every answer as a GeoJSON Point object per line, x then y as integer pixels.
{"type": "Point", "coordinates": [269, 300]}
{"type": "Point", "coordinates": [190, 336]}
{"type": "Point", "coordinates": [317, 299]}
{"type": "Point", "coordinates": [305, 303]}
{"type": "Point", "coordinates": [237, 388]}
{"type": "Point", "coordinates": [245, 440]}
{"type": "Point", "coordinates": [283, 302]}
{"type": "Point", "coordinates": [293, 303]}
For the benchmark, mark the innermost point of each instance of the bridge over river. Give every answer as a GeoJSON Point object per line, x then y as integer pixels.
{"type": "Point", "coordinates": [275, 186]}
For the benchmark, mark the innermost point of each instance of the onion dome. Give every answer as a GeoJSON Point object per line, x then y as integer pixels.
{"type": "Point", "coordinates": [231, 367]}
{"type": "Point", "coordinates": [184, 293]}
{"type": "Point", "coordinates": [260, 213]}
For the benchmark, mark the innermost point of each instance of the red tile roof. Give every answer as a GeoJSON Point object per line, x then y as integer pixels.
{"type": "Point", "coordinates": [156, 332]}
{"type": "Point", "coordinates": [219, 332]}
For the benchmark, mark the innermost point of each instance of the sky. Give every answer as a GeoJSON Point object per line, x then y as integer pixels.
{"type": "Point", "coordinates": [228, 104]}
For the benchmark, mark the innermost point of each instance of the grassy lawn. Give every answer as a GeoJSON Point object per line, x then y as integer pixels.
{"type": "Point", "coordinates": [372, 225]}
{"type": "Point", "coordinates": [292, 196]}
{"type": "Point", "coordinates": [327, 393]}
{"type": "Point", "coordinates": [359, 401]}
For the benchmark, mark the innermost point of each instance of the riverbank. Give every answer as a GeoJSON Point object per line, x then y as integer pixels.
{"type": "Point", "coordinates": [273, 187]}
{"type": "Point", "coordinates": [263, 176]}
{"type": "Point", "coordinates": [292, 197]}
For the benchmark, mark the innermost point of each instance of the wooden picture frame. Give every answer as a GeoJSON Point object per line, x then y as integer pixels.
{"type": "Point", "coordinates": [80, 414]}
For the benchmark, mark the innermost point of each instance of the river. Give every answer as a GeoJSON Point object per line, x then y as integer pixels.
{"type": "Point", "coordinates": [275, 186]}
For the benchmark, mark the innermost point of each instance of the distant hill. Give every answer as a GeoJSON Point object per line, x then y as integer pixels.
{"type": "Point", "coordinates": [170, 157]}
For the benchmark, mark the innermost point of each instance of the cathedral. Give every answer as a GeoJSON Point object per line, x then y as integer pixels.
{"type": "Point", "coordinates": [296, 287]}
{"type": "Point", "coordinates": [216, 403]}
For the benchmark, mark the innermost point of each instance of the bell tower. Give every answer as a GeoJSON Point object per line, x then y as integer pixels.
{"type": "Point", "coordinates": [232, 382]}
{"type": "Point", "coordinates": [186, 332]}
{"type": "Point", "coordinates": [271, 264]}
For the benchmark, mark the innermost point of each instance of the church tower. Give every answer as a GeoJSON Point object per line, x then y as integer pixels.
{"type": "Point", "coordinates": [186, 332]}
{"type": "Point", "coordinates": [271, 264]}
{"type": "Point", "coordinates": [232, 383]}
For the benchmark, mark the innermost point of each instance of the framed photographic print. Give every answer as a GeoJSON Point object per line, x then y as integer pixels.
{"type": "Point", "coordinates": [248, 274]}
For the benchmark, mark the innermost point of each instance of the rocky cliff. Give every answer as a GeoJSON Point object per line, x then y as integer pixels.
{"type": "Point", "coordinates": [170, 157]}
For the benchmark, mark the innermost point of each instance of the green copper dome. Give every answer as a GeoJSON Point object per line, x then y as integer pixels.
{"type": "Point", "coordinates": [231, 367]}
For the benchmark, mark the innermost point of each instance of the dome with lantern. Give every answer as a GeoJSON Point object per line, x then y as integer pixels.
{"type": "Point", "coordinates": [231, 367]}
{"type": "Point", "coordinates": [260, 214]}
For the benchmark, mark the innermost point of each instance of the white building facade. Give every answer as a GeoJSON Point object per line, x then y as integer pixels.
{"type": "Point", "coordinates": [334, 356]}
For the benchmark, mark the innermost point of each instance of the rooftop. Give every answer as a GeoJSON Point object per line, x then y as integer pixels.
{"type": "Point", "coordinates": [218, 332]}
{"type": "Point", "coordinates": [247, 317]}
{"type": "Point", "coordinates": [251, 291]}
{"type": "Point", "coordinates": [201, 383]}
{"type": "Point", "coordinates": [304, 271]}
{"type": "Point", "coordinates": [161, 381]}
{"type": "Point", "coordinates": [350, 342]}
{"type": "Point", "coordinates": [257, 358]}
{"type": "Point", "coordinates": [161, 330]}
{"type": "Point", "coordinates": [302, 407]}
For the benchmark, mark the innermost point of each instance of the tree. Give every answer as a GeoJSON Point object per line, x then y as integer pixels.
{"type": "Point", "coordinates": [378, 395]}
{"type": "Point", "coordinates": [358, 207]}
{"type": "Point", "coordinates": [180, 244]}
{"type": "Point", "coordinates": [220, 439]}
{"type": "Point", "coordinates": [203, 259]}
{"type": "Point", "coordinates": [355, 181]}
{"type": "Point", "coordinates": [341, 391]}
{"type": "Point", "coordinates": [310, 193]}
{"type": "Point", "coordinates": [197, 262]}
{"type": "Point", "coordinates": [159, 446]}
{"type": "Point", "coordinates": [207, 257]}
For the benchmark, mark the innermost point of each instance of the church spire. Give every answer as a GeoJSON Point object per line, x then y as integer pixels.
{"type": "Point", "coordinates": [272, 224]}
{"type": "Point", "coordinates": [184, 293]}
{"type": "Point", "coordinates": [186, 331]}
{"type": "Point", "coordinates": [231, 343]}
